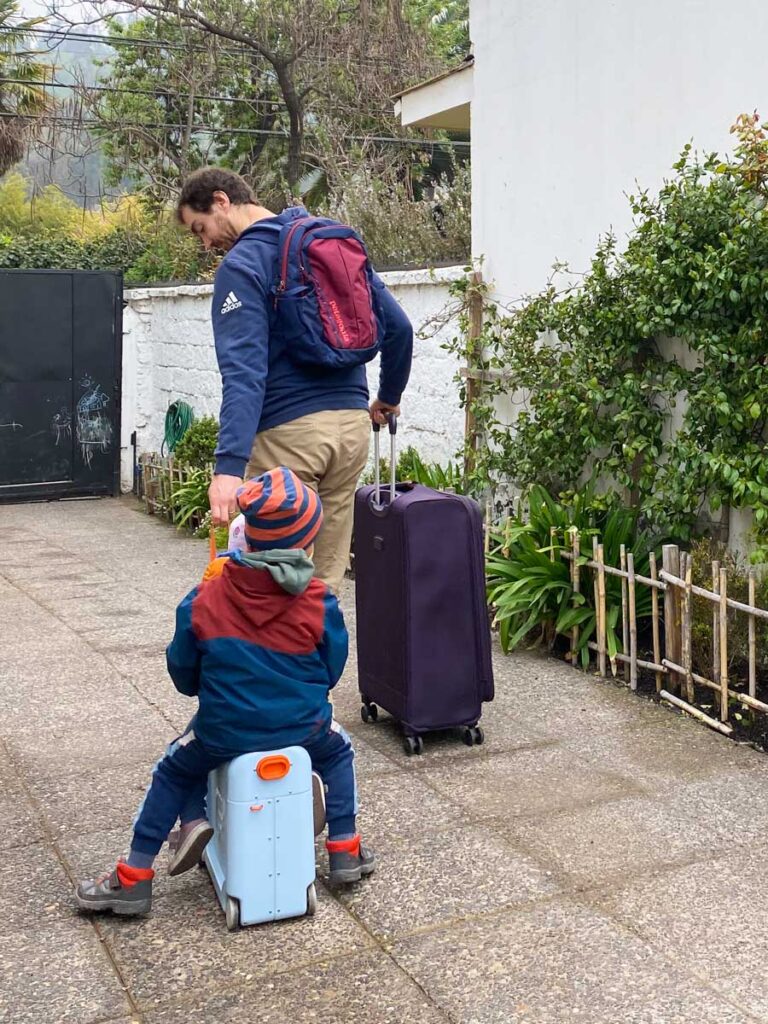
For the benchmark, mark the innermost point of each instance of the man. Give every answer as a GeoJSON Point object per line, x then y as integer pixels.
{"type": "Point", "coordinates": [275, 412]}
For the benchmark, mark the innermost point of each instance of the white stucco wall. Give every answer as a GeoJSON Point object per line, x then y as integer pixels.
{"type": "Point", "coordinates": [575, 102]}
{"type": "Point", "coordinates": [168, 354]}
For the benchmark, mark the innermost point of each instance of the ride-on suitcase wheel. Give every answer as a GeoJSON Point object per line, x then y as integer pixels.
{"type": "Point", "coordinates": [232, 912]}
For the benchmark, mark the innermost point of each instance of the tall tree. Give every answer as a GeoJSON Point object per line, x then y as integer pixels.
{"type": "Point", "coordinates": [308, 68]}
{"type": "Point", "coordinates": [21, 99]}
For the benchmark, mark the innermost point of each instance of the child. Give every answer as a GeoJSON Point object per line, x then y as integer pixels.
{"type": "Point", "coordinates": [260, 644]}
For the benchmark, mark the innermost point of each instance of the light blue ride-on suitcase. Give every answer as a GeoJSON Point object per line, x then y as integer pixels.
{"type": "Point", "coordinates": [262, 854]}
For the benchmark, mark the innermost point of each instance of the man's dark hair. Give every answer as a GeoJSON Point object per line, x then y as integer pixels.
{"type": "Point", "coordinates": [197, 191]}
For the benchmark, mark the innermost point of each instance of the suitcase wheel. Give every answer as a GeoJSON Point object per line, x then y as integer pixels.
{"type": "Point", "coordinates": [232, 912]}
{"type": "Point", "coordinates": [413, 745]}
{"type": "Point", "coordinates": [311, 900]}
{"type": "Point", "coordinates": [473, 735]}
{"type": "Point", "coordinates": [369, 712]}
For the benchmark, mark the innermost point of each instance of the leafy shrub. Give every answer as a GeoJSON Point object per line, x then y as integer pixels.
{"type": "Point", "coordinates": [49, 231]}
{"type": "Point", "coordinates": [411, 467]}
{"type": "Point", "coordinates": [197, 446]}
{"type": "Point", "coordinates": [189, 501]}
{"type": "Point", "coordinates": [597, 389]}
{"type": "Point", "coordinates": [528, 589]}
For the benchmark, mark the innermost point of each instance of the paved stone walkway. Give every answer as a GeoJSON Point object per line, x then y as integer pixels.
{"type": "Point", "coordinates": [598, 860]}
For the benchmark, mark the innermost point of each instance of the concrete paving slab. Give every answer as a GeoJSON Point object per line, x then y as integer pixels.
{"type": "Point", "coordinates": [712, 915]}
{"type": "Point", "coordinates": [638, 835]}
{"type": "Point", "coordinates": [364, 989]}
{"type": "Point", "coordinates": [58, 973]}
{"type": "Point", "coordinates": [555, 964]}
{"type": "Point", "coordinates": [35, 890]}
{"type": "Point", "coordinates": [73, 746]}
{"type": "Point", "coordinates": [441, 878]}
{"type": "Point", "coordinates": [185, 946]}
{"type": "Point", "coordinates": [20, 824]}
{"type": "Point", "coordinates": [82, 801]}
{"type": "Point", "coordinates": [391, 807]}
{"type": "Point", "coordinates": [526, 783]}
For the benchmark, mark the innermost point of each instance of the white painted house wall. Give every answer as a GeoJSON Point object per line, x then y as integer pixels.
{"type": "Point", "coordinates": [168, 354]}
{"type": "Point", "coordinates": [574, 102]}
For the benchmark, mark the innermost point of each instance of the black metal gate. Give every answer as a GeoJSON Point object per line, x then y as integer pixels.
{"type": "Point", "coordinates": [60, 379]}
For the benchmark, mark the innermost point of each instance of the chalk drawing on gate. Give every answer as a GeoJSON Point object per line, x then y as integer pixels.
{"type": "Point", "coordinates": [93, 429]}
{"type": "Point", "coordinates": [12, 426]}
{"type": "Point", "coordinates": [61, 424]}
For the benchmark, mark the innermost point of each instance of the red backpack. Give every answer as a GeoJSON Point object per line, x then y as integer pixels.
{"type": "Point", "coordinates": [326, 297]}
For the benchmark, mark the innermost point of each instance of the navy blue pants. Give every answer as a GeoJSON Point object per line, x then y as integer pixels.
{"type": "Point", "coordinates": [180, 782]}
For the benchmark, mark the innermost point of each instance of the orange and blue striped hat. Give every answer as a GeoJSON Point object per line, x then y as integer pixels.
{"type": "Point", "coordinates": [280, 511]}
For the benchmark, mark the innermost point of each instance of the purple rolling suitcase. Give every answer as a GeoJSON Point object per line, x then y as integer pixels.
{"type": "Point", "coordinates": [423, 636]}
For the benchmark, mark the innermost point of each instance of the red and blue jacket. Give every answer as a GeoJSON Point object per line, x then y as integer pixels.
{"type": "Point", "coordinates": [261, 660]}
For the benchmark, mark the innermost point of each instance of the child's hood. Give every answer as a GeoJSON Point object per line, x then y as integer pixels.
{"type": "Point", "coordinates": [291, 569]}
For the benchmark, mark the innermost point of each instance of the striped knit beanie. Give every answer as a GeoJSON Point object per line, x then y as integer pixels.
{"type": "Point", "coordinates": [280, 511]}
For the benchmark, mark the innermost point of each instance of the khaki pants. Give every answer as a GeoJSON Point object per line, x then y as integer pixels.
{"type": "Point", "coordinates": [327, 451]}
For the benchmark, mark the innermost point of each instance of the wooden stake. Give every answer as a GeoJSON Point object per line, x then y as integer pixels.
{"type": "Point", "coordinates": [596, 587]}
{"type": "Point", "coordinates": [655, 621]}
{"type": "Point", "coordinates": [601, 639]}
{"type": "Point", "coordinates": [624, 610]}
{"type": "Point", "coordinates": [488, 507]}
{"type": "Point", "coordinates": [632, 622]}
{"type": "Point", "coordinates": [671, 564]}
{"type": "Point", "coordinates": [212, 542]}
{"type": "Point", "coordinates": [716, 623]}
{"type": "Point", "coordinates": [552, 542]}
{"type": "Point", "coordinates": [752, 636]}
{"type": "Point", "coordinates": [576, 571]}
{"type": "Point", "coordinates": [723, 646]}
{"type": "Point", "coordinates": [473, 357]}
{"type": "Point", "coordinates": [686, 570]}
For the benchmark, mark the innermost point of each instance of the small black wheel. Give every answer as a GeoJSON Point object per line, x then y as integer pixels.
{"type": "Point", "coordinates": [479, 735]}
{"type": "Point", "coordinates": [369, 712]}
{"type": "Point", "coordinates": [468, 735]}
{"type": "Point", "coordinates": [412, 745]}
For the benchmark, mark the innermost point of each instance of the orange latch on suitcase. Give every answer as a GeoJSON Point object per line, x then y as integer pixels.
{"type": "Point", "coordinates": [276, 766]}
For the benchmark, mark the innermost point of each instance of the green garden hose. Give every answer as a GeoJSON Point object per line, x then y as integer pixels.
{"type": "Point", "coordinates": [178, 420]}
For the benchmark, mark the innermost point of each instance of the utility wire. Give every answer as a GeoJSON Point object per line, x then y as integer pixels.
{"type": "Point", "coordinates": [118, 40]}
{"type": "Point", "coordinates": [212, 130]}
{"type": "Point", "coordinates": [157, 93]}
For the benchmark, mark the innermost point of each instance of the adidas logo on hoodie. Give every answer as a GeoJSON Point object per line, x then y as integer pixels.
{"type": "Point", "coordinates": [231, 302]}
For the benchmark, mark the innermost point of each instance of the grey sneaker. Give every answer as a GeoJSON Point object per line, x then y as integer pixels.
{"type": "Point", "coordinates": [349, 861]}
{"type": "Point", "coordinates": [192, 841]}
{"type": "Point", "coordinates": [119, 894]}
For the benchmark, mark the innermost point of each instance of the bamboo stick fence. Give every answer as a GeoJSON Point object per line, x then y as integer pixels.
{"type": "Point", "coordinates": [158, 478]}
{"type": "Point", "coordinates": [671, 626]}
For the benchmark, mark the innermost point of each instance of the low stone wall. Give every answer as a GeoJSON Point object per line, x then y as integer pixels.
{"type": "Point", "coordinates": [168, 354]}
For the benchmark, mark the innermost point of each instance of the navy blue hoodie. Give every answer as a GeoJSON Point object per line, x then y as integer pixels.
{"type": "Point", "coordinates": [262, 387]}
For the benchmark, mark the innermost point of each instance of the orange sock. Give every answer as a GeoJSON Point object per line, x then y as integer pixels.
{"type": "Point", "coordinates": [344, 845]}
{"type": "Point", "coordinates": [130, 876]}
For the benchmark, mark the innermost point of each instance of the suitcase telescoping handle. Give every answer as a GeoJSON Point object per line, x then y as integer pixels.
{"type": "Point", "coordinates": [392, 424]}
